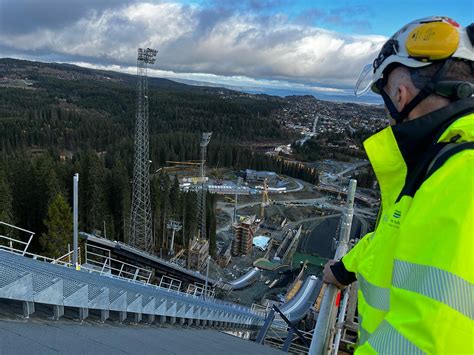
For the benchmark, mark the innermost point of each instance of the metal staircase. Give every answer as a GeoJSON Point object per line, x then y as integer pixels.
{"type": "Point", "coordinates": [32, 281]}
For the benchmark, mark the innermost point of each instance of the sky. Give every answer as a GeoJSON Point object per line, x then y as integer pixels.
{"type": "Point", "coordinates": [305, 46]}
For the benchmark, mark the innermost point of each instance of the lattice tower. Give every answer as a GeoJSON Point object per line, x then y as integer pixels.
{"type": "Point", "coordinates": [201, 200]}
{"type": "Point", "coordinates": [141, 224]}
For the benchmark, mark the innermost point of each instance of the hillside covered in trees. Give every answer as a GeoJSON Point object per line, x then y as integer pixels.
{"type": "Point", "coordinates": [58, 119]}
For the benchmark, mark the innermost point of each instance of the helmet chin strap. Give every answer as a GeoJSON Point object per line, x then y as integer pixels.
{"type": "Point", "coordinates": [428, 89]}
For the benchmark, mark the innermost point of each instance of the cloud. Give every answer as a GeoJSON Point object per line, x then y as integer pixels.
{"type": "Point", "coordinates": [353, 17]}
{"type": "Point", "coordinates": [225, 80]}
{"type": "Point", "coordinates": [190, 39]}
{"type": "Point", "coordinates": [23, 16]}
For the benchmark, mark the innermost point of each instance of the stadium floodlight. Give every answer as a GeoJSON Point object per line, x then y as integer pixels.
{"type": "Point", "coordinates": [147, 55]}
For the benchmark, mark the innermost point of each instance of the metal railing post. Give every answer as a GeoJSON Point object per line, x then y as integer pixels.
{"type": "Point", "coordinates": [288, 340]}
{"type": "Point", "coordinates": [340, 320]}
{"type": "Point", "coordinates": [28, 244]}
{"type": "Point", "coordinates": [266, 327]}
{"type": "Point", "coordinates": [136, 274]}
{"type": "Point", "coordinates": [103, 266]}
{"type": "Point", "coordinates": [324, 324]}
{"type": "Point", "coordinates": [207, 276]}
{"type": "Point", "coordinates": [75, 220]}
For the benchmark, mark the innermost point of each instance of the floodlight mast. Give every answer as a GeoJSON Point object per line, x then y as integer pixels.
{"type": "Point", "coordinates": [140, 219]}
{"type": "Point", "coordinates": [202, 191]}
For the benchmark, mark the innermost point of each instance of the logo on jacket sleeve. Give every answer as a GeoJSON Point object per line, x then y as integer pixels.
{"type": "Point", "coordinates": [397, 214]}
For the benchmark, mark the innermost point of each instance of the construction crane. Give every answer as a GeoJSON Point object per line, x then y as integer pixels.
{"type": "Point", "coordinates": [196, 164]}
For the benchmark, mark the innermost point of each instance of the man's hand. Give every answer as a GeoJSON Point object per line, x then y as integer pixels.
{"type": "Point", "coordinates": [329, 277]}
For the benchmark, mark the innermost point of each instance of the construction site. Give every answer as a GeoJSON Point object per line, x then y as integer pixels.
{"type": "Point", "coordinates": [263, 285]}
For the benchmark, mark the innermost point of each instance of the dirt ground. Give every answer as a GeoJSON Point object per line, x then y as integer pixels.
{"type": "Point", "coordinates": [316, 241]}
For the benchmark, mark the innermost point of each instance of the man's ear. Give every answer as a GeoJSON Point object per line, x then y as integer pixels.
{"type": "Point", "coordinates": [403, 97]}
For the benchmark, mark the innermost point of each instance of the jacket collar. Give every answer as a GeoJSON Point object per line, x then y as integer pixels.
{"type": "Point", "coordinates": [396, 151]}
{"type": "Point", "coordinates": [414, 137]}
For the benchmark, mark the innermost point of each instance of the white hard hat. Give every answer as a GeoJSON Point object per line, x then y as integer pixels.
{"type": "Point", "coordinates": [418, 44]}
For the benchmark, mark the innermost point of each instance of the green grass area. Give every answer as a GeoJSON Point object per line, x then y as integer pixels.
{"type": "Point", "coordinates": [315, 262]}
{"type": "Point", "coordinates": [268, 265]}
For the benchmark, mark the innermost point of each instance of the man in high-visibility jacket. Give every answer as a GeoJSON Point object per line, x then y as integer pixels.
{"type": "Point", "coordinates": [416, 270]}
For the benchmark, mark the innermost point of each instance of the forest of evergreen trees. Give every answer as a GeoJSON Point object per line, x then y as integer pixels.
{"type": "Point", "coordinates": [70, 123]}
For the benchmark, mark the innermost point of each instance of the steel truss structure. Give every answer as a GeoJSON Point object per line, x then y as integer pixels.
{"type": "Point", "coordinates": [201, 201]}
{"type": "Point", "coordinates": [141, 224]}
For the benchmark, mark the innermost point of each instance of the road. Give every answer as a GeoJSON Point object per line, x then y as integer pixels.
{"type": "Point", "coordinates": [360, 212]}
{"type": "Point", "coordinates": [353, 167]}
{"type": "Point", "coordinates": [299, 188]}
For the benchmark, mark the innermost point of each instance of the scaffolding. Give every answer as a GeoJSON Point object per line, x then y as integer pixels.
{"type": "Point", "coordinates": [198, 254]}
{"type": "Point", "coordinates": [243, 232]}
{"type": "Point", "coordinates": [327, 335]}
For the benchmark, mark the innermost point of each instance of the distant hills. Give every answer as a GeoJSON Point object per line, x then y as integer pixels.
{"type": "Point", "coordinates": [58, 119]}
{"type": "Point", "coordinates": [70, 107]}
{"type": "Point", "coordinates": [342, 96]}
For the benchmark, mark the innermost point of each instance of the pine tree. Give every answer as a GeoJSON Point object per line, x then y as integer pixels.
{"type": "Point", "coordinates": [59, 228]}
{"type": "Point", "coordinates": [211, 223]}
{"type": "Point", "coordinates": [174, 197]}
{"type": "Point", "coordinates": [119, 201]}
{"type": "Point", "coordinates": [94, 192]}
{"type": "Point", "coordinates": [5, 198]}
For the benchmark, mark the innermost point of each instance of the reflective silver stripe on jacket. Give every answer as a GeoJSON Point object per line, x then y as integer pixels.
{"type": "Point", "coordinates": [375, 296]}
{"type": "Point", "coordinates": [387, 340]}
{"type": "Point", "coordinates": [363, 335]}
{"type": "Point", "coordinates": [436, 284]}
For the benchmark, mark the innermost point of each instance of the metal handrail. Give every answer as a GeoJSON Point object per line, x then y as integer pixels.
{"type": "Point", "coordinates": [327, 317]}
{"type": "Point", "coordinates": [27, 244]}
{"type": "Point", "coordinates": [58, 261]}
{"type": "Point", "coordinates": [67, 255]}
{"type": "Point", "coordinates": [105, 263]}
{"type": "Point", "coordinates": [340, 321]}
{"type": "Point", "coordinates": [171, 284]}
{"type": "Point", "coordinates": [133, 275]}
{"type": "Point", "coordinates": [34, 256]}
{"type": "Point", "coordinates": [200, 290]}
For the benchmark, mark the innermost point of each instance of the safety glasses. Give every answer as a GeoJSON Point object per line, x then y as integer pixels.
{"type": "Point", "coordinates": [365, 81]}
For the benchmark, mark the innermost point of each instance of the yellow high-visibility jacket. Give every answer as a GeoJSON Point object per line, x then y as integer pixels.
{"type": "Point", "coordinates": [416, 270]}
